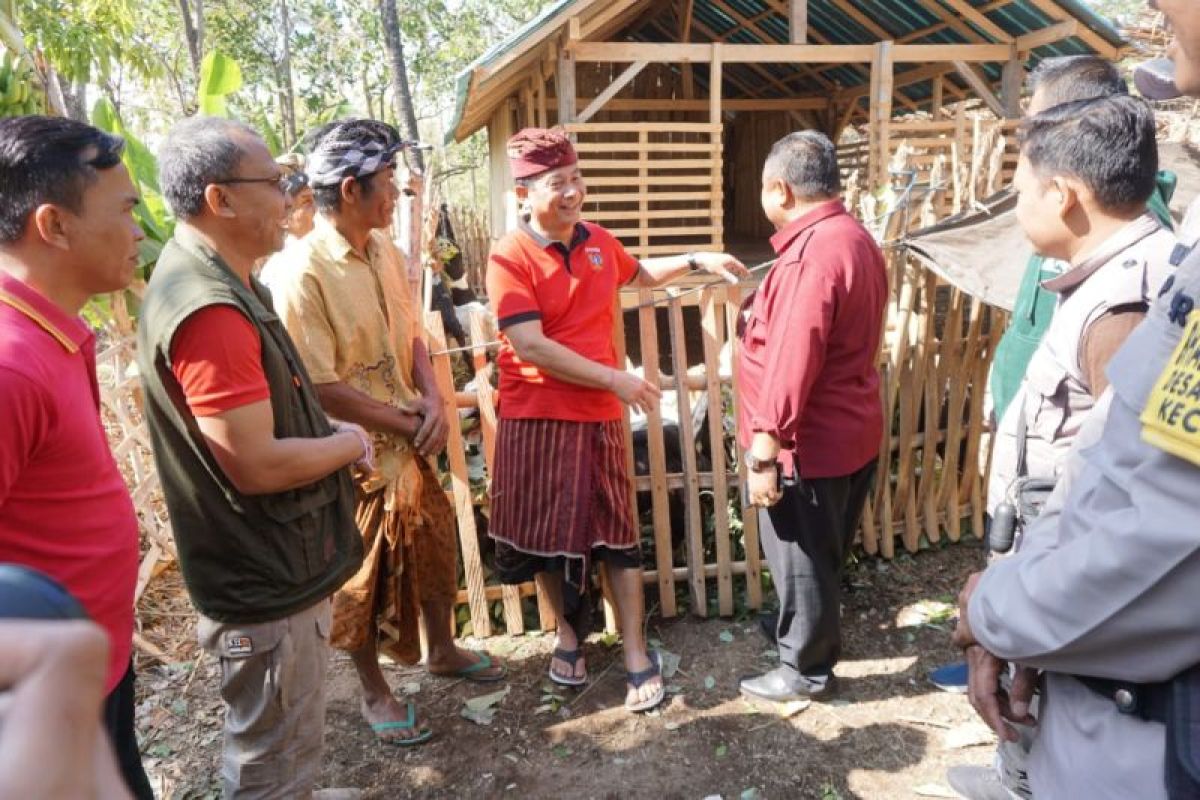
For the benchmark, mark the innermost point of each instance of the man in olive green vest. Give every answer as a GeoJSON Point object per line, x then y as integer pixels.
{"type": "Point", "coordinates": [254, 475]}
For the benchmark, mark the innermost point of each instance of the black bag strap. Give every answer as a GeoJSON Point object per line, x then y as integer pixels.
{"type": "Point", "coordinates": [1022, 440]}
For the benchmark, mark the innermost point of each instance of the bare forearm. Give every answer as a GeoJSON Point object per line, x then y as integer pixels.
{"type": "Point", "coordinates": [565, 364]}
{"type": "Point", "coordinates": [423, 375]}
{"type": "Point", "coordinates": [764, 446]}
{"type": "Point", "coordinates": [343, 401]}
{"type": "Point", "coordinates": [291, 463]}
{"type": "Point", "coordinates": [54, 673]}
{"type": "Point", "coordinates": [662, 270]}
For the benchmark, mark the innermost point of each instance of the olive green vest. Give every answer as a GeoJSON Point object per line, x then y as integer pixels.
{"type": "Point", "coordinates": [244, 558]}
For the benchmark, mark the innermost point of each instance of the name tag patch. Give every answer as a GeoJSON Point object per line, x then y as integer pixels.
{"type": "Point", "coordinates": [1171, 418]}
{"type": "Point", "coordinates": [239, 646]}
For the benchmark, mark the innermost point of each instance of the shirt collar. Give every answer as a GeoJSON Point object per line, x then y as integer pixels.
{"type": "Point", "coordinates": [578, 236]}
{"type": "Point", "coordinates": [784, 237]}
{"type": "Point", "coordinates": [327, 237]}
{"type": "Point", "coordinates": [1126, 237]}
{"type": "Point", "coordinates": [69, 331]}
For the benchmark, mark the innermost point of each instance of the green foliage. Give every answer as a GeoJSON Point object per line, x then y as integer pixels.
{"type": "Point", "coordinates": [88, 41]}
{"type": "Point", "coordinates": [220, 76]}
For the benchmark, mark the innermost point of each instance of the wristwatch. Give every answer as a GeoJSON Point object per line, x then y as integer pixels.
{"type": "Point", "coordinates": [755, 464]}
{"type": "Point", "coordinates": [692, 263]}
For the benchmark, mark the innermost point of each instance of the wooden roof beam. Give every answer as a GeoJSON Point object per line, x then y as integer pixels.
{"type": "Point", "coordinates": [797, 18]}
{"type": "Point", "coordinates": [938, 27]}
{"type": "Point", "coordinates": [611, 90]}
{"type": "Point", "coordinates": [672, 52]}
{"type": "Point", "coordinates": [980, 86]}
{"type": "Point", "coordinates": [976, 18]}
{"type": "Point", "coordinates": [774, 81]}
{"type": "Point", "coordinates": [1055, 33]}
{"type": "Point", "coordinates": [1089, 37]}
{"type": "Point", "coordinates": [957, 25]}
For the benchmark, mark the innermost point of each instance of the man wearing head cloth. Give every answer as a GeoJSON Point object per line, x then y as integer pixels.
{"type": "Point", "coordinates": [560, 491]}
{"type": "Point", "coordinates": [1098, 605]}
{"type": "Point", "coordinates": [342, 294]}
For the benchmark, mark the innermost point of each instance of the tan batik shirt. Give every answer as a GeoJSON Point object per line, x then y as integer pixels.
{"type": "Point", "coordinates": [353, 321]}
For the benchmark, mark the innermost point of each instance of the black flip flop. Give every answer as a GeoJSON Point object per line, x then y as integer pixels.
{"type": "Point", "coordinates": [571, 657]}
{"type": "Point", "coordinates": [635, 680]}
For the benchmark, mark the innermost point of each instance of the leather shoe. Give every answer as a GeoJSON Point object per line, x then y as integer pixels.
{"type": "Point", "coordinates": [782, 685]}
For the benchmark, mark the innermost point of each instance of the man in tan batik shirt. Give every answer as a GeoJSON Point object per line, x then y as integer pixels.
{"type": "Point", "coordinates": [343, 297]}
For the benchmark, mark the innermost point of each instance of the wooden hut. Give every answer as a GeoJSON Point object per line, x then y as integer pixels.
{"type": "Point", "coordinates": [675, 102]}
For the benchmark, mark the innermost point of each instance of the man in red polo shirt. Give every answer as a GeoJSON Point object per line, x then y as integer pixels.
{"type": "Point", "coordinates": [66, 233]}
{"type": "Point", "coordinates": [810, 416]}
{"type": "Point", "coordinates": [560, 491]}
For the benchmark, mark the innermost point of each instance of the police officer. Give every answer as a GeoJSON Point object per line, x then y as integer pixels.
{"type": "Point", "coordinates": [1101, 597]}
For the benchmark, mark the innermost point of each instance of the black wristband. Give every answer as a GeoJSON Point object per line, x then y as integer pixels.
{"type": "Point", "coordinates": [692, 263]}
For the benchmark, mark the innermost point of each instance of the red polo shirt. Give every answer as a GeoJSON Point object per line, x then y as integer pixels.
{"type": "Point", "coordinates": [64, 508]}
{"type": "Point", "coordinates": [810, 338]}
{"type": "Point", "coordinates": [572, 289]}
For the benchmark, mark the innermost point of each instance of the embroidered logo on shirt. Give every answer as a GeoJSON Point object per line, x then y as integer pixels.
{"type": "Point", "coordinates": [239, 646]}
{"type": "Point", "coordinates": [596, 257]}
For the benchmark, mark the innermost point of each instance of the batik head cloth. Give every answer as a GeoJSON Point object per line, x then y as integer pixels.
{"type": "Point", "coordinates": [533, 151]}
{"type": "Point", "coordinates": [353, 149]}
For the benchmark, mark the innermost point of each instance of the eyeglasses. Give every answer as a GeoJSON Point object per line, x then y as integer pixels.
{"type": "Point", "coordinates": [280, 182]}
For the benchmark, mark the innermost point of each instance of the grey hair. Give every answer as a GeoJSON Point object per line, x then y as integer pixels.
{"type": "Point", "coordinates": [198, 151]}
{"type": "Point", "coordinates": [807, 162]}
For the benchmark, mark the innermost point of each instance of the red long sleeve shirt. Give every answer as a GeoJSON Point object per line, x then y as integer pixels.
{"type": "Point", "coordinates": [810, 337]}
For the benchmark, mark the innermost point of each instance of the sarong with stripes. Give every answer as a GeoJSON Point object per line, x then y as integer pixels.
{"type": "Point", "coordinates": [561, 488]}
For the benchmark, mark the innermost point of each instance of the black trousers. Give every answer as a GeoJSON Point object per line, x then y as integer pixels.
{"type": "Point", "coordinates": [118, 721]}
{"type": "Point", "coordinates": [805, 538]}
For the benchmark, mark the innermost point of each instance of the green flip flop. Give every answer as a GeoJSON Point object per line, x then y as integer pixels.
{"type": "Point", "coordinates": [409, 724]}
{"type": "Point", "coordinates": [471, 671]}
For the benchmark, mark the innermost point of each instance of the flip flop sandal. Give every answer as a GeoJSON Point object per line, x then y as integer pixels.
{"type": "Point", "coordinates": [409, 724]}
{"type": "Point", "coordinates": [471, 671]}
{"type": "Point", "coordinates": [635, 680]}
{"type": "Point", "coordinates": [571, 657]}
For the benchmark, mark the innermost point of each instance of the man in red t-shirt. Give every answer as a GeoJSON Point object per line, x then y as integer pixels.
{"type": "Point", "coordinates": [560, 489]}
{"type": "Point", "coordinates": [810, 419]}
{"type": "Point", "coordinates": [66, 233]}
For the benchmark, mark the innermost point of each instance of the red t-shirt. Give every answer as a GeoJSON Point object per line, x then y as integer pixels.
{"type": "Point", "coordinates": [572, 290]}
{"type": "Point", "coordinates": [807, 366]}
{"type": "Point", "coordinates": [216, 356]}
{"type": "Point", "coordinates": [64, 507]}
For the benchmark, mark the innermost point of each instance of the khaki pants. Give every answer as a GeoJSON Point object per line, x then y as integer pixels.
{"type": "Point", "coordinates": [273, 685]}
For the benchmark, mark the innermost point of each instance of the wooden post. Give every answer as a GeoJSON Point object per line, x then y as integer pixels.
{"type": "Point", "coordinates": [798, 21]}
{"type": "Point", "coordinates": [1010, 86]}
{"type": "Point", "coordinates": [481, 623]}
{"type": "Point", "coordinates": [716, 209]}
{"type": "Point", "coordinates": [565, 86]}
{"type": "Point", "coordinates": [881, 111]}
{"type": "Point", "coordinates": [939, 88]}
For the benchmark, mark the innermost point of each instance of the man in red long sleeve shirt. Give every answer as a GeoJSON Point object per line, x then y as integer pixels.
{"type": "Point", "coordinates": [810, 417]}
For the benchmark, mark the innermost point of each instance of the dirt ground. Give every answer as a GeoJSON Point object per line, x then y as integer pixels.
{"type": "Point", "coordinates": [888, 734]}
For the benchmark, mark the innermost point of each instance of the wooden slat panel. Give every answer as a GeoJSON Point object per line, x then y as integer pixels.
{"type": "Point", "coordinates": [750, 543]}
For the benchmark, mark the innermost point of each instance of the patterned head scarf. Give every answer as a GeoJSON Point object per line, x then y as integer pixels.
{"type": "Point", "coordinates": [352, 149]}
{"type": "Point", "coordinates": [533, 151]}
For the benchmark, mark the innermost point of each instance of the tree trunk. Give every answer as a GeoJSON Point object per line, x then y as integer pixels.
{"type": "Point", "coordinates": [193, 31]}
{"type": "Point", "coordinates": [75, 98]}
{"type": "Point", "coordinates": [287, 85]}
{"type": "Point", "coordinates": [405, 113]}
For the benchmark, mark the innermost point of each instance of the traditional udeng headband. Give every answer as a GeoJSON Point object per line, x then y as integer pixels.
{"type": "Point", "coordinates": [533, 151]}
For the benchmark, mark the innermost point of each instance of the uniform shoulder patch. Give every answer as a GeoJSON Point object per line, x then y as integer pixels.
{"type": "Point", "coordinates": [1171, 418]}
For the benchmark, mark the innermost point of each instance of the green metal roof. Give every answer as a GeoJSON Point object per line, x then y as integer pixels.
{"type": "Point", "coordinates": [827, 23]}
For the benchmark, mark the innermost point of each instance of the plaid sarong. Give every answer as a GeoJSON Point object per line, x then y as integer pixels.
{"type": "Point", "coordinates": [561, 488]}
